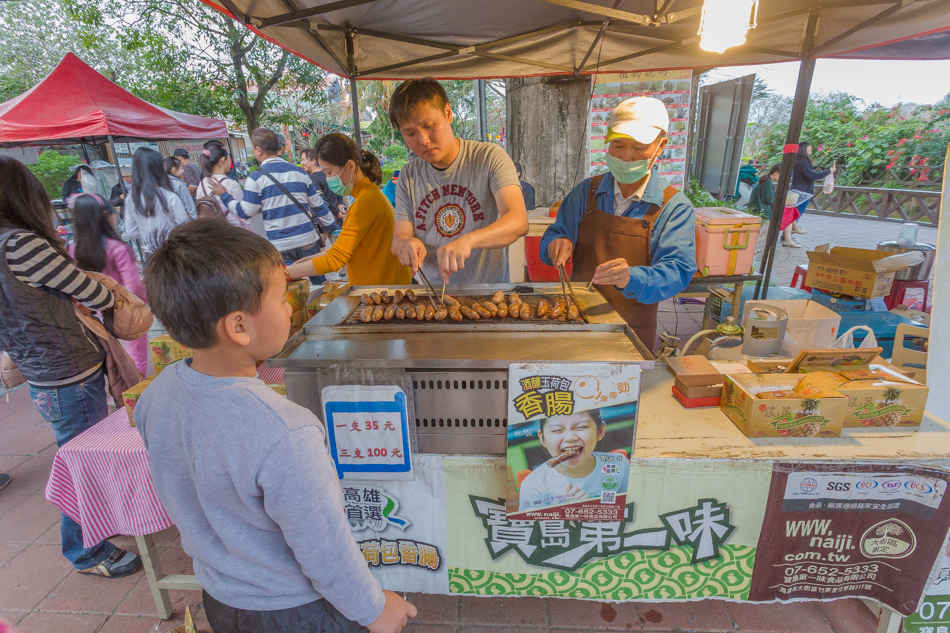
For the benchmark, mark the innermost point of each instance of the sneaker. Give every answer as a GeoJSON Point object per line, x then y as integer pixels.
{"type": "Point", "coordinates": [120, 563]}
{"type": "Point", "coordinates": [798, 229]}
{"type": "Point", "coordinates": [5, 480]}
{"type": "Point", "coordinates": [791, 244]}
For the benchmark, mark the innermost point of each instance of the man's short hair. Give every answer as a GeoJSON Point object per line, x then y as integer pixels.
{"type": "Point", "coordinates": [205, 270]}
{"type": "Point", "coordinates": [266, 140]}
{"type": "Point", "coordinates": [411, 94]}
{"type": "Point", "coordinates": [181, 151]}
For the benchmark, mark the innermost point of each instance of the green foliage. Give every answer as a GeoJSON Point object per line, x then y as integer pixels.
{"type": "Point", "coordinates": [396, 153]}
{"type": "Point", "coordinates": [702, 198]}
{"type": "Point", "coordinates": [52, 170]}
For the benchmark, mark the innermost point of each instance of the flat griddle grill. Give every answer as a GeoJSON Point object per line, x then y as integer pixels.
{"type": "Point", "coordinates": [467, 300]}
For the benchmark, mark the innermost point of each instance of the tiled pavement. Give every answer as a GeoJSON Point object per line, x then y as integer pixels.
{"type": "Point", "coordinates": [40, 593]}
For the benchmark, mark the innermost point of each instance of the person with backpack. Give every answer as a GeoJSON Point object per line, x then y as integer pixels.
{"type": "Point", "coordinates": [215, 164]}
{"type": "Point", "coordinates": [98, 248]}
{"type": "Point", "coordinates": [60, 358]}
{"type": "Point", "coordinates": [286, 197]}
{"type": "Point", "coordinates": [175, 173]}
{"type": "Point", "coordinates": [152, 209]}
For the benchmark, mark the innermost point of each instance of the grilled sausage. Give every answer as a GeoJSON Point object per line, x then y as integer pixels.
{"type": "Point", "coordinates": [421, 313]}
{"type": "Point", "coordinates": [440, 314]}
{"type": "Point", "coordinates": [455, 313]}
{"type": "Point", "coordinates": [366, 300]}
{"type": "Point", "coordinates": [430, 313]}
{"type": "Point", "coordinates": [401, 312]}
{"type": "Point", "coordinates": [502, 310]}
{"type": "Point", "coordinates": [410, 312]}
{"type": "Point", "coordinates": [390, 311]}
{"type": "Point", "coordinates": [398, 296]}
{"type": "Point", "coordinates": [514, 299]}
{"type": "Point", "coordinates": [450, 301]}
{"type": "Point", "coordinates": [491, 307]}
{"type": "Point", "coordinates": [367, 314]}
{"type": "Point", "coordinates": [378, 313]}
{"type": "Point", "coordinates": [524, 311]}
{"type": "Point", "coordinates": [377, 299]}
{"type": "Point", "coordinates": [572, 312]}
{"type": "Point", "coordinates": [498, 297]}
{"type": "Point", "coordinates": [543, 308]}
{"type": "Point", "coordinates": [482, 311]}
{"type": "Point", "coordinates": [469, 313]}
{"type": "Point", "coordinates": [411, 296]}
{"type": "Point", "coordinates": [557, 310]}
{"type": "Point", "coordinates": [384, 295]}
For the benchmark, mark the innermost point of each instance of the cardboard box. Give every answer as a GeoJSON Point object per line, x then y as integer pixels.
{"type": "Point", "coordinates": [878, 393]}
{"type": "Point", "coordinates": [810, 324]}
{"type": "Point", "coordinates": [695, 378]}
{"type": "Point", "coordinates": [165, 350]}
{"type": "Point", "coordinates": [696, 403]}
{"type": "Point", "coordinates": [131, 396]}
{"type": "Point", "coordinates": [858, 272]}
{"type": "Point", "coordinates": [819, 410]}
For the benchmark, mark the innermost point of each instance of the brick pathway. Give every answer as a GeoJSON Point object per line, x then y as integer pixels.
{"type": "Point", "coordinates": [41, 593]}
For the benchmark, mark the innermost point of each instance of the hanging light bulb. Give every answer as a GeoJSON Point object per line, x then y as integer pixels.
{"type": "Point", "coordinates": [724, 23]}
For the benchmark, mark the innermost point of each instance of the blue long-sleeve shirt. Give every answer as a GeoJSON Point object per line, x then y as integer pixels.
{"type": "Point", "coordinates": [672, 243]}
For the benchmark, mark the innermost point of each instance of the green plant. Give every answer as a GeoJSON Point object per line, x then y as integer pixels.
{"type": "Point", "coordinates": [702, 198]}
{"type": "Point", "coordinates": [52, 170]}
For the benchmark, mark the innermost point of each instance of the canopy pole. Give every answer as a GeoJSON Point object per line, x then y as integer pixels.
{"type": "Point", "coordinates": [481, 109]}
{"type": "Point", "coordinates": [115, 161]}
{"type": "Point", "coordinates": [354, 95]}
{"type": "Point", "coordinates": [85, 154]}
{"type": "Point", "coordinates": [805, 74]}
{"type": "Point", "coordinates": [231, 154]}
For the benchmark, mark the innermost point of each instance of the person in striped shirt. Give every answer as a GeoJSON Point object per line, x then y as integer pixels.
{"type": "Point", "coordinates": [288, 228]}
{"type": "Point", "coordinates": [61, 360]}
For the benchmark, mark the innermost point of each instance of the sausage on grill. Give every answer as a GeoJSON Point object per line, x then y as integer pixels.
{"type": "Point", "coordinates": [429, 313]}
{"type": "Point", "coordinates": [440, 314]}
{"type": "Point", "coordinates": [401, 312]}
{"type": "Point", "coordinates": [384, 295]}
{"type": "Point", "coordinates": [450, 301]}
{"type": "Point", "coordinates": [366, 300]}
{"type": "Point", "coordinates": [411, 295]}
{"type": "Point", "coordinates": [398, 296]}
{"type": "Point", "coordinates": [572, 312]}
{"type": "Point", "coordinates": [498, 297]}
{"type": "Point", "coordinates": [482, 311]}
{"type": "Point", "coordinates": [455, 314]}
{"type": "Point", "coordinates": [366, 315]}
{"type": "Point", "coordinates": [377, 299]}
{"type": "Point", "coordinates": [421, 312]}
{"type": "Point", "coordinates": [513, 298]}
{"type": "Point", "coordinates": [469, 313]}
{"type": "Point", "coordinates": [543, 308]}
{"type": "Point", "coordinates": [502, 310]}
{"type": "Point", "coordinates": [410, 312]}
{"type": "Point", "coordinates": [524, 311]}
{"type": "Point", "coordinates": [557, 310]}
{"type": "Point", "coordinates": [378, 313]}
{"type": "Point", "coordinates": [491, 307]}
{"type": "Point", "coordinates": [390, 311]}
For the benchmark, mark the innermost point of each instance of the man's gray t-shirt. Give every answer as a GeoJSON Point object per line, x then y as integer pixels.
{"type": "Point", "coordinates": [444, 205]}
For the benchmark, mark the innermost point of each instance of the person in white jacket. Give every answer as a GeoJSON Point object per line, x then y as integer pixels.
{"type": "Point", "coordinates": [215, 164]}
{"type": "Point", "coordinates": [152, 209]}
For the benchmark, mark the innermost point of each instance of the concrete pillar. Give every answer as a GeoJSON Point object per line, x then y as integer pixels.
{"type": "Point", "coordinates": [548, 132]}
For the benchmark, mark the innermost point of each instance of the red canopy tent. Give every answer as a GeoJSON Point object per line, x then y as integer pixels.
{"type": "Point", "coordinates": [74, 103]}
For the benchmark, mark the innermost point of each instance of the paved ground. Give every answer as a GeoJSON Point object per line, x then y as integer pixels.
{"type": "Point", "coordinates": [40, 593]}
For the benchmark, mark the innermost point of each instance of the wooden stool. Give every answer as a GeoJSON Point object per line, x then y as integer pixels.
{"type": "Point", "coordinates": [801, 271]}
{"type": "Point", "coordinates": [899, 293]}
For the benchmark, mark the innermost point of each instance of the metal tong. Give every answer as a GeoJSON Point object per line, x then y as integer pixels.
{"type": "Point", "coordinates": [567, 289]}
{"type": "Point", "coordinates": [430, 291]}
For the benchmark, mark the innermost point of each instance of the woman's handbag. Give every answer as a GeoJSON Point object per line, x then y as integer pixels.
{"type": "Point", "coordinates": [10, 374]}
{"type": "Point", "coordinates": [131, 316]}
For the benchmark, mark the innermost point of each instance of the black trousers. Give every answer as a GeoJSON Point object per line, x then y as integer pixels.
{"type": "Point", "coordinates": [315, 617]}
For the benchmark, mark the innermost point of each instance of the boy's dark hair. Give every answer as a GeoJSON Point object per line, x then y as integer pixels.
{"type": "Point", "coordinates": [266, 140]}
{"type": "Point", "coordinates": [593, 413]}
{"type": "Point", "coordinates": [205, 270]}
{"type": "Point", "coordinates": [411, 94]}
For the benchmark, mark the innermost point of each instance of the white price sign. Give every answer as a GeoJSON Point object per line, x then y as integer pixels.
{"type": "Point", "coordinates": [368, 429]}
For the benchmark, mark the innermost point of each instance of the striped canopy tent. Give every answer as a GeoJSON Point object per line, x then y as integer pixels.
{"type": "Point", "coordinates": [402, 39]}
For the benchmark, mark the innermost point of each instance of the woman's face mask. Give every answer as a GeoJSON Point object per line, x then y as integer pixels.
{"type": "Point", "coordinates": [627, 172]}
{"type": "Point", "coordinates": [336, 183]}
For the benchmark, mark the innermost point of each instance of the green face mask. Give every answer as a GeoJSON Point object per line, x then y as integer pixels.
{"type": "Point", "coordinates": [336, 185]}
{"type": "Point", "coordinates": [627, 172]}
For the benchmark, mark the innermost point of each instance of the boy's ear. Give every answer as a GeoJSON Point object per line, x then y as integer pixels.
{"type": "Point", "coordinates": [233, 327]}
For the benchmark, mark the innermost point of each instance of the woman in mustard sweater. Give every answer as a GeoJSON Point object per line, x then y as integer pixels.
{"type": "Point", "coordinates": [364, 245]}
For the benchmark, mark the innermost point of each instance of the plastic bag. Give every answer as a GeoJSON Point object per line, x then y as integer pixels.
{"type": "Point", "coordinates": [829, 186]}
{"type": "Point", "coordinates": [846, 340]}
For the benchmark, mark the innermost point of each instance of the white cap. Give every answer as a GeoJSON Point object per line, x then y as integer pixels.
{"type": "Point", "coordinates": [639, 118]}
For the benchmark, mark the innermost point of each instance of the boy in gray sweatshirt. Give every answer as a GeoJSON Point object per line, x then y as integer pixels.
{"type": "Point", "coordinates": [243, 472]}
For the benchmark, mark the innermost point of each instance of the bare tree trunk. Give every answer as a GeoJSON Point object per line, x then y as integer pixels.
{"type": "Point", "coordinates": [548, 132]}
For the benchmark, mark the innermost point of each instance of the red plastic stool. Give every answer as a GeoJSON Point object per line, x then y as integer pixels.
{"type": "Point", "coordinates": [801, 271]}
{"type": "Point", "coordinates": [899, 293]}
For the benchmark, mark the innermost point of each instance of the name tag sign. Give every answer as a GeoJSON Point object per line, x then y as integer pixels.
{"type": "Point", "coordinates": [368, 428]}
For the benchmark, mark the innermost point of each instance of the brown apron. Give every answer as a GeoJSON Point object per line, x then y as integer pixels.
{"type": "Point", "coordinates": [605, 236]}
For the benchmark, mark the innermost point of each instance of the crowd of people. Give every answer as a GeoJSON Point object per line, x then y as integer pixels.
{"type": "Point", "coordinates": [241, 470]}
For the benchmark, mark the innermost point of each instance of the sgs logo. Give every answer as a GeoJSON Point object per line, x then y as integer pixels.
{"type": "Point", "coordinates": [839, 486]}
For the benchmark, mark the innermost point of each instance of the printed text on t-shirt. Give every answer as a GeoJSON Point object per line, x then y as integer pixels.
{"type": "Point", "coordinates": [450, 214]}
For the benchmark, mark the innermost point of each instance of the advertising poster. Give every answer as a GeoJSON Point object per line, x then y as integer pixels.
{"type": "Point", "coordinates": [672, 87]}
{"type": "Point", "coordinates": [851, 530]}
{"type": "Point", "coordinates": [686, 533]}
{"type": "Point", "coordinates": [400, 527]}
{"type": "Point", "coordinates": [933, 615]}
{"type": "Point", "coordinates": [571, 430]}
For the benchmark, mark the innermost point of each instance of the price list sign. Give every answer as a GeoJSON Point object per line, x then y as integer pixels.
{"type": "Point", "coordinates": [368, 429]}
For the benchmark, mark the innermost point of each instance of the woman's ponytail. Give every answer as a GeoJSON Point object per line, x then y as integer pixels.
{"type": "Point", "coordinates": [371, 167]}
